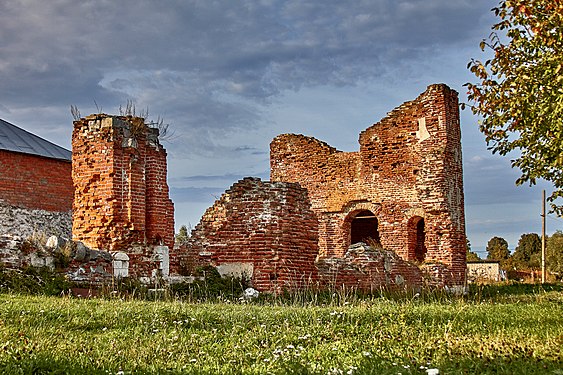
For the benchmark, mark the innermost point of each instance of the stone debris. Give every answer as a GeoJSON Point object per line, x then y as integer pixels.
{"type": "Point", "coordinates": [250, 294]}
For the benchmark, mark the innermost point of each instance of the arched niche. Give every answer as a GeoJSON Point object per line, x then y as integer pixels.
{"type": "Point", "coordinates": [417, 239]}
{"type": "Point", "coordinates": [364, 227]}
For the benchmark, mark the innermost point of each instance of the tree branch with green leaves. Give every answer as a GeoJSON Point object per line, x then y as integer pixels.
{"type": "Point", "coordinates": [519, 93]}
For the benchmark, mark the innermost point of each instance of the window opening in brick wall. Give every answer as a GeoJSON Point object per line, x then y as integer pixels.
{"type": "Point", "coordinates": [417, 239]}
{"type": "Point", "coordinates": [364, 228]}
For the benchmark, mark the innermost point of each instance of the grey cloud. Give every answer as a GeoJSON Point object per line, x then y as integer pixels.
{"type": "Point", "coordinates": [263, 48]}
{"type": "Point", "coordinates": [231, 177]}
{"type": "Point", "coordinates": [211, 67]}
{"type": "Point", "coordinates": [219, 178]}
{"type": "Point", "coordinates": [193, 194]}
{"type": "Point", "coordinates": [485, 175]}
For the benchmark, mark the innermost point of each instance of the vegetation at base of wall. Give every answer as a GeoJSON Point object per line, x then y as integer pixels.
{"type": "Point", "coordinates": [32, 280]}
{"type": "Point", "coordinates": [496, 334]}
{"type": "Point", "coordinates": [208, 285]}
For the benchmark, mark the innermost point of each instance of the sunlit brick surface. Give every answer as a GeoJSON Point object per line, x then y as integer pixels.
{"type": "Point", "coordinates": [408, 168]}
{"type": "Point", "coordinates": [120, 190]}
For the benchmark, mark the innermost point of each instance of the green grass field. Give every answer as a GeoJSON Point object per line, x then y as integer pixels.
{"type": "Point", "coordinates": [494, 332]}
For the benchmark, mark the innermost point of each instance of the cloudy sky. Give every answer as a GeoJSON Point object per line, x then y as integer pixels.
{"type": "Point", "coordinates": [230, 75]}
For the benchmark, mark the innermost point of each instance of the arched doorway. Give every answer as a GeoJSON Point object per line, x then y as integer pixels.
{"type": "Point", "coordinates": [417, 239]}
{"type": "Point", "coordinates": [364, 228]}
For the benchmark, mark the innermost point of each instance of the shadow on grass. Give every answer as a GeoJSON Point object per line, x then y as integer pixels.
{"type": "Point", "coordinates": [40, 364]}
{"type": "Point", "coordinates": [503, 365]}
{"type": "Point", "coordinates": [512, 289]}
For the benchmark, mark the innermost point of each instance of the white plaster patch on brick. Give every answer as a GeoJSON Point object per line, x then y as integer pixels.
{"type": "Point", "coordinates": [422, 133]}
{"type": "Point", "coordinates": [120, 264]}
{"type": "Point", "coordinates": [162, 255]}
{"type": "Point", "coordinates": [236, 269]}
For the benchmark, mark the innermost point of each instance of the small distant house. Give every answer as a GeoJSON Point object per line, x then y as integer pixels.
{"type": "Point", "coordinates": [35, 174]}
{"type": "Point", "coordinates": [484, 271]}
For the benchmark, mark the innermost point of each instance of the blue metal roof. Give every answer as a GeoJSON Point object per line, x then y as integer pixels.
{"type": "Point", "coordinates": [16, 139]}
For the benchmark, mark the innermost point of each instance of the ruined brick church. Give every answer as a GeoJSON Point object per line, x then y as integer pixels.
{"type": "Point", "coordinates": [401, 193]}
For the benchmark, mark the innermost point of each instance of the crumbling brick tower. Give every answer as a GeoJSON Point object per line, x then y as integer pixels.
{"type": "Point", "coordinates": [403, 189]}
{"type": "Point", "coordinates": [121, 199]}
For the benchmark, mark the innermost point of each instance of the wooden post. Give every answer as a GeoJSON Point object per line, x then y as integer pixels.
{"type": "Point", "coordinates": [543, 238]}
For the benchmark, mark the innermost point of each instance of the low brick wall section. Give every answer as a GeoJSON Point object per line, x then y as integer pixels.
{"type": "Point", "coordinates": [265, 230]}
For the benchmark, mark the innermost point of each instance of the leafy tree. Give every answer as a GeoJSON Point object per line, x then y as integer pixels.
{"type": "Point", "coordinates": [519, 93]}
{"type": "Point", "coordinates": [554, 253]}
{"type": "Point", "coordinates": [527, 254]}
{"type": "Point", "coordinates": [471, 256]}
{"type": "Point", "coordinates": [497, 249]}
{"type": "Point", "coordinates": [182, 235]}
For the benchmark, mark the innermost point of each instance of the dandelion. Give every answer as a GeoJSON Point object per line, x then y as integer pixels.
{"type": "Point", "coordinates": [351, 370]}
{"type": "Point", "coordinates": [335, 371]}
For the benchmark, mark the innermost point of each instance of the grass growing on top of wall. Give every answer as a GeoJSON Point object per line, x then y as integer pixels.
{"type": "Point", "coordinates": [504, 332]}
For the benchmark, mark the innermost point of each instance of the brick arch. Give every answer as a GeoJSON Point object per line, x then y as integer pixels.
{"type": "Point", "coordinates": [357, 206]}
{"type": "Point", "coordinates": [356, 226]}
{"type": "Point", "coordinates": [416, 234]}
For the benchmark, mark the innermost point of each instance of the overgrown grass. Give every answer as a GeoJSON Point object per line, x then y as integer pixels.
{"type": "Point", "coordinates": [496, 331]}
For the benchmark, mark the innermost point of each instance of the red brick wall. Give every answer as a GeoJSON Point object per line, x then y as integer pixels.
{"type": "Point", "coordinates": [121, 194]}
{"type": "Point", "coordinates": [266, 224]}
{"type": "Point", "coordinates": [35, 182]}
{"type": "Point", "coordinates": [408, 167]}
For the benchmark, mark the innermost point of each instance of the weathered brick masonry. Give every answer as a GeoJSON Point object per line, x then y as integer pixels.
{"type": "Point", "coordinates": [403, 188]}
{"type": "Point", "coordinates": [35, 182]}
{"type": "Point", "coordinates": [264, 229]}
{"type": "Point", "coordinates": [121, 200]}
